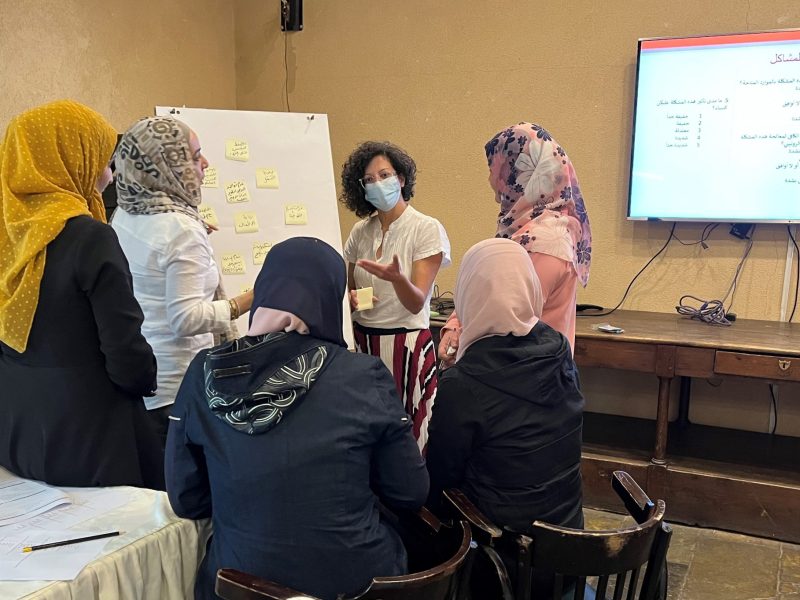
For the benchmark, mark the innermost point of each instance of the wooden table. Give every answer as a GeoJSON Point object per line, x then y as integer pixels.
{"type": "Point", "coordinates": [710, 476]}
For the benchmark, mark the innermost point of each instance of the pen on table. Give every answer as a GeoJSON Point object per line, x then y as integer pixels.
{"type": "Point", "coordinates": [89, 538]}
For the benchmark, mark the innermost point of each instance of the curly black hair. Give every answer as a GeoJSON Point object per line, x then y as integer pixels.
{"type": "Point", "coordinates": [353, 169]}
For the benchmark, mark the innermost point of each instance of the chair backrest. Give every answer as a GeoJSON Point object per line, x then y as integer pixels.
{"type": "Point", "coordinates": [441, 582]}
{"type": "Point", "coordinates": [421, 530]}
{"type": "Point", "coordinates": [577, 554]}
{"type": "Point", "coordinates": [486, 576]}
{"type": "Point", "coordinates": [562, 558]}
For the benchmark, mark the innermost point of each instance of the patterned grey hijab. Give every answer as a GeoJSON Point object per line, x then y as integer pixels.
{"type": "Point", "coordinates": [155, 171]}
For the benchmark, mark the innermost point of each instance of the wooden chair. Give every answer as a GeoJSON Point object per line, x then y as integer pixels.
{"type": "Point", "coordinates": [565, 557]}
{"type": "Point", "coordinates": [424, 535]}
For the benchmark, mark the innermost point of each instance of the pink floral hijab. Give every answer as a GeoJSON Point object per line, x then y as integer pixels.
{"type": "Point", "coordinates": [530, 174]}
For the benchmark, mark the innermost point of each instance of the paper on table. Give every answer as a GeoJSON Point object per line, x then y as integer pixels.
{"type": "Point", "coordinates": [87, 504]}
{"type": "Point", "coordinates": [61, 563]}
{"type": "Point", "coordinates": [21, 499]}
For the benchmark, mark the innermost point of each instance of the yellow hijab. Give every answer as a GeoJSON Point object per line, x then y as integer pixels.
{"type": "Point", "coordinates": [50, 159]}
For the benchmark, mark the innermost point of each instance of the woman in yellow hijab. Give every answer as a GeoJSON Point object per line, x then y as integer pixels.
{"type": "Point", "coordinates": [73, 362]}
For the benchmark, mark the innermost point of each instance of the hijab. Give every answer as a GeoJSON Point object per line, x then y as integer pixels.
{"type": "Point", "coordinates": [497, 292]}
{"type": "Point", "coordinates": [155, 169]}
{"type": "Point", "coordinates": [530, 173]}
{"type": "Point", "coordinates": [50, 159]}
{"type": "Point", "coordinates": [305, 278]}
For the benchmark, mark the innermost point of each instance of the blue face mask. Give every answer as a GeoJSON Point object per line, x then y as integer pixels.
{"type": "Point", "coordinates": [383, 194]}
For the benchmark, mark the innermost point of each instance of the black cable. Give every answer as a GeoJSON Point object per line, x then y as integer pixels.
{"type": "Point", "coordinates": [732, 289]}
{"type": "Point", "coordinates": [286, 69]}
{"type": "Point", "coordinates": [797, 276]}
{"type": "Point", "coordinates": [707, 230]}
{"type": "Point", "coordinates": [774, 407]}
{"type": "Point", "coordinates": [635, 277]}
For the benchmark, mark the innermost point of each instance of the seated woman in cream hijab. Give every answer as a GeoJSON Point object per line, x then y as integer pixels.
{"type": "Point", "coordinates": [506, 426]}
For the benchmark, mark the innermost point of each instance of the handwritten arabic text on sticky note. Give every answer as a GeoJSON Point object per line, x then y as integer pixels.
{"type": "Point", "coordinates": [233, 263]}
{"type": "Point", "coordinates": [211, 178]}
{"type": "Point", "coordinates": [267, 178]}
{"type": "Point", "coordinates": [246, 222]}
{"type": "Point", "coordinates": [236, 191]}
{"type": "Point", "coordinates": [237, 150]}
{"type": "Point", "coordinates": [260, 251]}
{"type": "Point", "coordinates": [295, 214]}
{"type": "Point", "coordinates": [208, 215]}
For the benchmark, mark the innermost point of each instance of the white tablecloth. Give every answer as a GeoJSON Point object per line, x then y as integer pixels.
{"type": "Point", "coordinates": [155, 559]}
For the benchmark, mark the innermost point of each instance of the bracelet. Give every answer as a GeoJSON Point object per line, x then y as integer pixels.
{"type": "Point", "coordinates": [234, 309]}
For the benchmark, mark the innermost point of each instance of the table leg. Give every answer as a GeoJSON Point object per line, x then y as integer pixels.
{"type": "Point", "coordinates": [683, 401]}
{"type": "Point", "coordinates": [662, 421]}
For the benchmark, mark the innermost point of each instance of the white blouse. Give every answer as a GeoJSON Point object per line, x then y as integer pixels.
{"type": "Point", "coordinates": [174, 280]}
{"type": "Point", "coordinates": [412, 236]}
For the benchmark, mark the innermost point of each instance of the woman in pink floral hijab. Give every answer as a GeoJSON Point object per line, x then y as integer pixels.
{"type": "Point", "coordinates": [541, 208]}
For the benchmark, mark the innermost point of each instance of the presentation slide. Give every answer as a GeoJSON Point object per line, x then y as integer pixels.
{"type": "Point", "coordinates": [717, 129]}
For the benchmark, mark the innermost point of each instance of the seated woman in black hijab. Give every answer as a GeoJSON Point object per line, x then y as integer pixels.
{"type": "Point", "coordinates": [287, 440]}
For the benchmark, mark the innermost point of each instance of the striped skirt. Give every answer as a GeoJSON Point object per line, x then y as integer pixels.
{"type": "Point", "coordinates": [410, 355]}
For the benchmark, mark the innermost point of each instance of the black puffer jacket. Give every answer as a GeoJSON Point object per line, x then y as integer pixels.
{"type": "Point", "coordinates": [506, 430]}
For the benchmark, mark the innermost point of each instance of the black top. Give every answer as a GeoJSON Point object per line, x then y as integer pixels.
{"type": "Point", "coordinates": [506, 430]}
{"type": "Point", "coordinates": [295, 502]}
{"type": "Point", "coordinates": [72, 402]}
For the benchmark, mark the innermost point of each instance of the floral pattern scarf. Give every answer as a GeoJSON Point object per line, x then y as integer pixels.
{"type": "Point", "coordinates": [530, 173]}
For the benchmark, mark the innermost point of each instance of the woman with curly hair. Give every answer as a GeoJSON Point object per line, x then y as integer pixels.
{"type": "Point", "coordinates": [397, 251]}
{"type": "Point", "coordinates": [541, 208]}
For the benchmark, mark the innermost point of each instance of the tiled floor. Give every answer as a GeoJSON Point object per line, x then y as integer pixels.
{"type": "Point", "coordinates": [706, 564]}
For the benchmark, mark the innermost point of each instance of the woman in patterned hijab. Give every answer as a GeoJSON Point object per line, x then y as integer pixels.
{"type": "Point", "coordinates": [160, 168]}
{"type": "Point", "coordinates": [542, 209]}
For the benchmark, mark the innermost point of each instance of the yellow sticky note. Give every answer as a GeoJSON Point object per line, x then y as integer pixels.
{"type": "Point", "coordinates": [233, 264]}
{"type": "Point", "coordinates": [237, 150]}
{"type": "Point", "coordinates": [267, 178]}
{"type": "Point", "coordinates": [246, 288]}
{"type": "Point", "coordinates": [236, 191]}
{"type": "Point", "coordinates": [211, 178]}
{"type": "Point", "coordinates": [364, 298]}
{"type": "Point", "coordinates": [208, 215]}
{"type": "Point", "coordinates": [295, 214]}
{"type": "Point", "coordinates": [260, 250]}
{"type": "Point", "coordinates": [246, 222]}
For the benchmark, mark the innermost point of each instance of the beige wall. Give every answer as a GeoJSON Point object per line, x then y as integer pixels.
{"type": "Point", "coordinates": [121, 58]}
{"type": "Point", "coordinates": [440, 78]}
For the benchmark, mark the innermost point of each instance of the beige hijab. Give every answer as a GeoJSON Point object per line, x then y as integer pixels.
{"type": "Point", "coordinates": [497, 292]}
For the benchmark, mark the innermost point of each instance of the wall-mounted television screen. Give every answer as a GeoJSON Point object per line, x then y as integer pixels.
{"type": "Point", "coordinates": [716, 134]}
